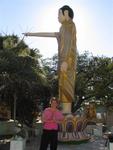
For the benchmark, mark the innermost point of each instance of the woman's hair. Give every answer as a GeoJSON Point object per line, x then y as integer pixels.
{"type": "Point", "coordinates": [66, 7]}
{"type": "Point", "coordinates": [54, 99]}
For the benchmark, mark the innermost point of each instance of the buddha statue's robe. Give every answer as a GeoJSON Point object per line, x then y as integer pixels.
{"type": "Point", "coordinates": [67, 53]}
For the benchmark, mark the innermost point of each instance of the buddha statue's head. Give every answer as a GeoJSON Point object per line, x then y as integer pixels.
{"type": "Point", "coordinates": [65, 13]}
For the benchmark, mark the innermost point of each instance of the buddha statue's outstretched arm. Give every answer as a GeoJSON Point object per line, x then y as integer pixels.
{"type": "Point", "coordinates": [42, 34]}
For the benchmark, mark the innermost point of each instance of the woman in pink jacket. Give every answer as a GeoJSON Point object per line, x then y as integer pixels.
{"type": "Point", "coordinates": [50, 118]}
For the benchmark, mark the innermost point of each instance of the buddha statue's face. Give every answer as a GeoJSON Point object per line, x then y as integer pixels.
{"type": "Point", "coordinates": [61, 16]}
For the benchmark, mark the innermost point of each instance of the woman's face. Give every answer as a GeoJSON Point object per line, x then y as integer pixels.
{"type": "Point", "coordinates": [54, 104]}
{"type": "Point", "coordinates": [61, 17]}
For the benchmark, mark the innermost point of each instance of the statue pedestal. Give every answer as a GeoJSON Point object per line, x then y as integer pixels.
{"type": "Point", "coordinates": [72, 129]}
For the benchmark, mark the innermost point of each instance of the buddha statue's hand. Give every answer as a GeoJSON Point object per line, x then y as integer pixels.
{"type": "Point", "coordinates": [26, 34]}
{"type": "Point", "coordinates": [64, 66]}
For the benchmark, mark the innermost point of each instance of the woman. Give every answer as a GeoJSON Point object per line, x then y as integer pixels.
{"type": "Point", "coordinates": [50, 118]}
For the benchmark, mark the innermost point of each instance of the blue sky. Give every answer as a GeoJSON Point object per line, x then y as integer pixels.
{"type": "Point", "coordinates": [93, 19]}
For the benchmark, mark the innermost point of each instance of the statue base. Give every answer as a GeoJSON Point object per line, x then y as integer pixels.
{"type": "Point", "coordinates": [72, 129]}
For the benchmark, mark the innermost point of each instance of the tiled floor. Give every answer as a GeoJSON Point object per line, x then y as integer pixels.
{"type": "Point", "coordinates": [97, 144]}
{"type": "Point", "coordinates": [33, 144]}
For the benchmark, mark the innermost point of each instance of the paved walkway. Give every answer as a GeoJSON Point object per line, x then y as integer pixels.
{"type": "Point", "coordinates": [33, 144]}
{"type": "Point", "coordinates": [97, 144]}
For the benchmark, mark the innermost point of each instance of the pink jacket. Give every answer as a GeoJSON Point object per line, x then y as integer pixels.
{"type": "Point", "coordinates": [51, 118]}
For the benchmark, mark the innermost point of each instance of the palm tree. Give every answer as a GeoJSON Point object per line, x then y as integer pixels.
{"type": "Point", "coordinates": [21, 76]}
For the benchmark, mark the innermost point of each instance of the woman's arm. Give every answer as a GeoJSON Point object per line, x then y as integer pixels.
{"type": "Point", "coordinates": [59, 117]}
{"type": "Point", "coordinates": [47, 116]}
